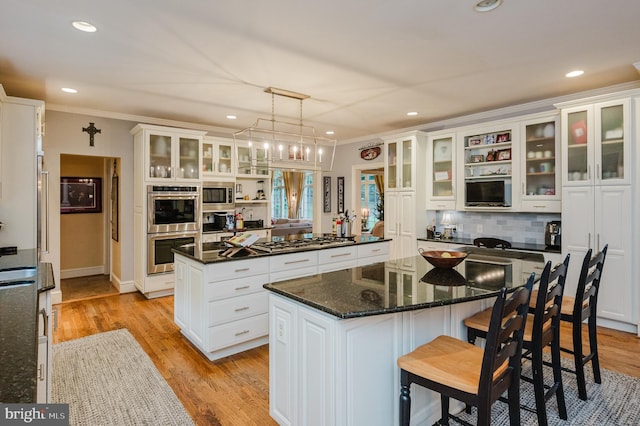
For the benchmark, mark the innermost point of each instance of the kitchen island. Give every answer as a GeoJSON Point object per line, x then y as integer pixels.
{"type": "Point", "coordinates": [335, 337]}
{"type": "Point", "coordinates": [220, 304]}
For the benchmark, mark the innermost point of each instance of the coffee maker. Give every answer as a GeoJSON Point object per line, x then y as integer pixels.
{"type": "Point", "coordinates": [552, 234]}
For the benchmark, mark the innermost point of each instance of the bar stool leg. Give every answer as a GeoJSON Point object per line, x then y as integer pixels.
{"type": "Point", "coordinates": [405, 399]}
{"type": "Point", "coordinates": [444, 404]}
{"type": "Point", "coordinates": [593, 347]}
{"type": "Point", "coordinates": [579, 364]}
{"type": "Point", "coordinates": [557, 379]}
{"type": "Point", "coordinates": [538, 386]}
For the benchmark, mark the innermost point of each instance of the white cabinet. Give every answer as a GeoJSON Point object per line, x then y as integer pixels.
{"type": "Point", "coordinates": [294, 265]}
{"type": "Point", "coordinates": [252, 159]}
{"type": "Point", "coordinates": [405, 195]}
{"type": "Point", "coordinates": [170, 154]}
{"type": "Point", "coordinates": [45, 327]}
{"type": "Point", "coordinates": [373, 253]}
{"type": "Point", "coordinates": [596, 143]}
{"type": "Point", "coordinates": [540, 165]}
{"type": "Point", "coordinates": [337, 258]}
{"type": "Point", "coordinates": [218, 158]}
{"type": "Point", "coordinates": [441, 177]}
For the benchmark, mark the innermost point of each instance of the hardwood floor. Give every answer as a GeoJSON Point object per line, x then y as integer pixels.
{"type": "Point", "coordinates": [233, 390]}
{"type": "Point", "coordinates": [86, 287]}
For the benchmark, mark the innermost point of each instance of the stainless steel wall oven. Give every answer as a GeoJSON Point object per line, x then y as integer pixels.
{"type": "Point", "coordinates": [159, 254]}
{"type": "Point", "coordinates": [173, 208]}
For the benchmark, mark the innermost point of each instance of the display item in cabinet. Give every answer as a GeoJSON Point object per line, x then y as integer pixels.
{"type": "Point", "coordinates": [477, 158]}
{"type": "Point", "coordinates": [549, 130]}
{"type": "Point", "coordinates": [579, 132]}
{"type": "Point", "coordinates": [503, 154]}
{"type": "Point", "coordinates": [503, 137]}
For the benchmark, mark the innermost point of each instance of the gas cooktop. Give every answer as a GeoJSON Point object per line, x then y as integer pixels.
{"type": "Point", "coordinates": [303, 243]}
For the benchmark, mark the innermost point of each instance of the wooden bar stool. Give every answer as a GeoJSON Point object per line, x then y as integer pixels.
{"type": "Point", "coordinates": [543, 329]}
{"type": "Point", "coordinates": [460, 370]}
{"type": "Point", "coordinates": [491, 243]}
{"type": "Point", "coordinates": [580, 308]}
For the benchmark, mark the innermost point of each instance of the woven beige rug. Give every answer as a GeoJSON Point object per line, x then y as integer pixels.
{"type": "Point", "coordinates": [108, 379]}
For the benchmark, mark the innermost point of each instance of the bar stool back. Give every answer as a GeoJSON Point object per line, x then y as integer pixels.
{"type": "Point", "coordinates": [491, 243]}
{"type": "Point", "coordinates": [583, 307]}
{"type": "Point", "coordinates": [467, 373]}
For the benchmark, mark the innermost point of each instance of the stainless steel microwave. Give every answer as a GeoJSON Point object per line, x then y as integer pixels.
{"type": "Point", "coordinates": [217, 196]}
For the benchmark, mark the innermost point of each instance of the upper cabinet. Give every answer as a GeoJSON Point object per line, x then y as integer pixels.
{"type": "Point", "coordinates": [218, 157]}
{"type": "Point", "coordinates": [399, 162]}
{"type": "Point", "coordinates": [596, 143]}
{"type": "Point", "coordinates": [441, 176]}
{"type": "Point", "coordinates": [540, 165]}
{"type": "Point", "coordinates": [252, 160]}
{"type": "Point", "coordinates": [170, 154]}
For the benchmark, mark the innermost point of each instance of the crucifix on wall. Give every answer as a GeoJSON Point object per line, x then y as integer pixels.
{"type": "Point", "coordinates": [92, 130]}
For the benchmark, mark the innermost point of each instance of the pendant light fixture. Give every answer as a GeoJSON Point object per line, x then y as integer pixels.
{"type": "Point", "coordinates": [285, 145]}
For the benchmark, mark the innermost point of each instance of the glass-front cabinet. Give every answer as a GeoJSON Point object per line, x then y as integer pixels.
{"type": "Point", "coordinates": [170, 154]}
{"type": "Point", "coordinates": [441, 174]}
{"type": "Point", "coordinates": [400, 161]}
{"type": "Point", "coordinates": [595, 143]}
{"type": "Point", "coordinates": [252, 160]}
{"type": "Point", "coordinates": [218, 157]}
{"type": "Point", "coordinates": [540, 184]}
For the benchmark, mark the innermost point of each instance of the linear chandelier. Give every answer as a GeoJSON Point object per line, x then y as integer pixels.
{"type": "Point", "coordinates": [287, 145]}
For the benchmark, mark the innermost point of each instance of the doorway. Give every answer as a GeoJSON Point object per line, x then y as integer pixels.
{"type": "Point", "coordinates": [85, 234]}
{"type": "Point", "coordinates": [366, 193]}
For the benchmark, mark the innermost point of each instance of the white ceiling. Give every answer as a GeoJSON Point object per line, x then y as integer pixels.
{"type": "Point", "coordinates": [364, 63]}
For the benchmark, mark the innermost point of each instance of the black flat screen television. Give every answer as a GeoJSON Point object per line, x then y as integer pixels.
{"type": "Point", "coordinates": [488, 193]}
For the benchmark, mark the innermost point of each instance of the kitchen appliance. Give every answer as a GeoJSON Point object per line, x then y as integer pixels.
{"type": "Point", "coordinates": [239, 193]}
{"type": "Point", "coordinates": [159, 245]}
{"type": "Point", "coordinates": [490, 193]}
{"type": "Point", "coordinates": [553, 234]}
{"type": "Point", "coordinates": [219, 222]}
{"type": "Point", "coordinates": [279, 246]}
{"type": "Point", "coordinates": [260, 193]}
{"type": "Point", "coordinates": [173, 209]}
{"type": "Point", "coordinates": [217, 196]}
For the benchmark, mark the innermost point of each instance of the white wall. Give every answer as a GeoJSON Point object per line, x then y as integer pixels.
{"type": "Point", "coordinates": [64, 135]}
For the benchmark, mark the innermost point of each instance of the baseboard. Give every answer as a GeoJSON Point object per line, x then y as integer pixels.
{"type": "Point", "coordinates": [617, 325]}
{"type": "Point", "coordinates": [56, 296]}
{"type": "Point", "coordinates": [82, 272]}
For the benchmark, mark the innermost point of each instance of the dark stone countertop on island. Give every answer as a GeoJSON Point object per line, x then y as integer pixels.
{"type": "Point", "coordinates": [362, 291]}
{"type": "Point", "coordinates": [211, 252]}
{"type": "Point", "coordinates": [514, 244]}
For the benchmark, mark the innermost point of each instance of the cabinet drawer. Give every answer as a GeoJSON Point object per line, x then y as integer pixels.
{"type": "Point", "coordinates": [373, 249]}
{"type": "Point", "coordinates": [237, 332]}
{"type": "Point", "coordinates": [236, 287]}
{"type": "Point", "coordinates": [237, 269]}
{"type": "Point", "coordinates": [293, 261]}
{"type": "Point", "coordinates": [293, 273]}
{"type": "Point", "coordinates": [340, 254]}
{"type": "Point", "coordinates": [235, 308]}
{"type": "Point", "coordinates": [336, 266]}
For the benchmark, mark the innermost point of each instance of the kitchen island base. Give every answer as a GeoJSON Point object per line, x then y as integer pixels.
{"type": "Point", "coordinates": [329, 371]}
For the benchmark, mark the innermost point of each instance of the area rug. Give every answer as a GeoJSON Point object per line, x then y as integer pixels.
{"type": "Point", "coordinates": [108, 379]}
{"type": "Point", "coordinates": [614, 402]}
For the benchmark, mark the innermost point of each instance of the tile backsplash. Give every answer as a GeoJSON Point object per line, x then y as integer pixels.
{"type": "Point", "coordinates": [514, 227]}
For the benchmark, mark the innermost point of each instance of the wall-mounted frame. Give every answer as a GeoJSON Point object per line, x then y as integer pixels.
{"type": "Point", "coordinates": [80, 195]}
{"type": "Point", "coordinates": [341, 194]}
{"type": "Point", "coordinates": [114, 208]}
{"type": "Point", "coordinates": [326, 194]}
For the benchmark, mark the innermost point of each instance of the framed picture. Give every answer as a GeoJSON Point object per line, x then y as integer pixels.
{"type": "Point", "coordinates": [341, 194]}
{"type": "Point", "coordinates": [475, 140]}
{"type": "Point", "coordinates": [80, 195]}
{"type": "Point", "coordinates": [326, 194]}
{"type": "Point", "coordinates": [114, 207]}
{"type": "Point", "coordinates": [504, 154]}
{"type": "Point", "coordinates": [477, 158]}
{"type": "Point", "coordinates": [503, 137]}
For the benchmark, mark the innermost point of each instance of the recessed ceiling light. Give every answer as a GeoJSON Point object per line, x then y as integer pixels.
{"type": "Point", "coordinates": [231, 117]}
{"type": "Point", "coordinates": [69, 90]}
{"type": "Point", "coordinates": [487, 5]}
{"type": "Point", "coordinates": [329, 132]}
{"type": "Point", "coordinates": [574, 73]}
{"type": "Point", "coordinates": [84, 26]}
{"type": "Point", "coordinates": [412, 113]}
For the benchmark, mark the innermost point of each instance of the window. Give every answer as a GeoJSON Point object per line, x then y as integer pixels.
{"type": "Point", "coordinates": [279, 205]}
{"type": "Point", "coordinates": [369, 197]}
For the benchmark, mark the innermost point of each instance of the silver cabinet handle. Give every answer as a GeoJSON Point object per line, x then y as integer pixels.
{"type": "Point", "coordinates": [241, 333]}
{"type": "Point", "coordinates": [589, 241]}
{"type": "Point", "coordinates": [340, 255]}
{"type": "Point", "coordinates": [244, 308]}
{"type": "Point", "coordinates": [45, 175]}
{"type": "Point", "coordinates": [244, 287]}
{"type": "Point", "coordinates": [241, 270]}
{"type": "Point", "coordinates": [375, 250]}
{"type": "Point", "coordinates": [41, 372]}
{"type": "Point", "coordinates": [296, 261]}
{"type": "Point", "coordinates": [45, 320]}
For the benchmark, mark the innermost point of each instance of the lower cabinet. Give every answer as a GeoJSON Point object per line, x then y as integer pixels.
{"type": "Point", "coordinates": [43, 387]}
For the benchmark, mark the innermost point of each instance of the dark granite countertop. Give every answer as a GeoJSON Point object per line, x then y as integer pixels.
{"type": "Point", "coordinates": [514, 244]}
{"type": "Point", "coordinates": [210, 252]}
{"type": "Point", "coordinates": [364, 291]}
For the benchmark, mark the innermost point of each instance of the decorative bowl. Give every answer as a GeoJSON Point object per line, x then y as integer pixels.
{"type": "Point", "coordinates": [442, 258]}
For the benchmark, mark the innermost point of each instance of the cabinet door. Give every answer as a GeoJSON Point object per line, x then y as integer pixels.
{"type": "Point", "coordinates": [612, 150]}
{"type": "Point", "coordinates": [217, 158]}
{"type": "Point", "coordinates": [187, 156]}
{"type": "Point", "coordinates": [441, 179]}
{"type": "Point", "coordinates": [391, 221]}
{"type": "Point", "coordinates": [244, 157]}
{"type": "Point", "coordinates": [540, 184]}
{"type": "Point", "coordinates": [406, 171]}
{"type": "Point", "coordinates": [407, 232]}
{"type": "Point", "coordinates": [577, 229]}
{"type": "Point", "coordinates": [391, 168]}
{"type": "Point", "coordinates": [613, 226]}
{"type": "Point", "coordinates": [160, 155]}
{"type": "Point", "coordinates": [577, 146]}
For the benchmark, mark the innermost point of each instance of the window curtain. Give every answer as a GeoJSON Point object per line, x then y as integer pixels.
{"type": "Point", "coordinates": [379, 179]}
{"type": "Point", "coordinates": [293, 185]}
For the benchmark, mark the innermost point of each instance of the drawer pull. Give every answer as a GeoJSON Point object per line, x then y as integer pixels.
{"type": "Point", "coordinates": [296, 261]}
{"type": "Point", "coordinates": [41, 372]}
{"type": "Point", "coordinates": [244, 287]}
{"type": "Point", "coordinates": [242, 332]}
{"type": "Point", "coordinates": [340, 255]}
{"type": "Point", "coordinates": [241, 270]}
{"type": "Point", "coordinates": [242, 309]}
{"type": "Point", "coordinates": [375, 250]}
